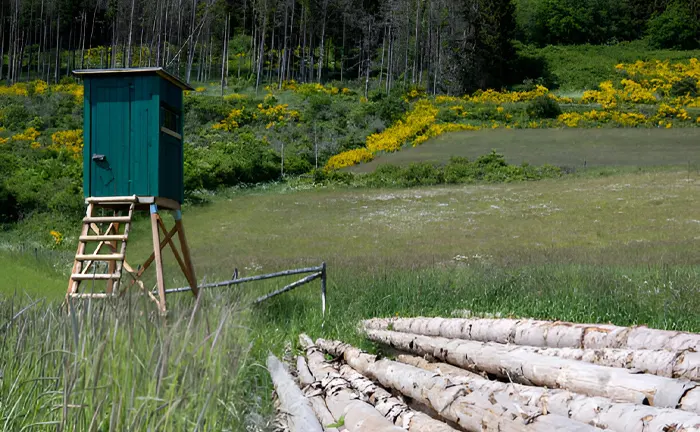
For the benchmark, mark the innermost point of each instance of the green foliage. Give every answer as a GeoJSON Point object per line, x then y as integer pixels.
{"type": "Point", "coordinates": [567, 22]}
{"type": "Point", "coordinates": [14, 115]}
{"type": "Point", "coordinates": [489, 168]}
{"type": "Point", "coordinates": [543, 107]}
{"type": "Point", "coordinates": [389, 108]}
{"type": "Point", "coordinates": [676, 28]}
{"type": "Point", "coordinates": [688, 86]}
{"type": "Point", "coordinates": [491, 63]}
{"type": "Point", "coordinates": [583, 67]}
{"type": "Point", "coordinates": [230, 159]}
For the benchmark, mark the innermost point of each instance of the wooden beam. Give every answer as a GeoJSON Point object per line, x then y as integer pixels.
{"type": "Point", "coordinates": [191, 278]}
{"type": "Point", "coordinates": [77, 265]}
{"type": "Point", "coordinates": [155, 231]}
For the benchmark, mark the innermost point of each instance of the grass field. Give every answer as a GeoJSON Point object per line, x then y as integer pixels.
{"type": "Point", "coordinates": [620, 248]}
{"type": "Point", "coordinates": [571, 148]}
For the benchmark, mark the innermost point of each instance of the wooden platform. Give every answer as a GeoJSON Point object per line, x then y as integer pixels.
{"type": "Point", "coordinates": [106, 263]}
{"type": "Point", "coordinates": [141, 202]}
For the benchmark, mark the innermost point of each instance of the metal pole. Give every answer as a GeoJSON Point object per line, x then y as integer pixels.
{"type": "Point", "coordinates": [250, 279]}
{"type": "Point", "coordinates": [289, 287]}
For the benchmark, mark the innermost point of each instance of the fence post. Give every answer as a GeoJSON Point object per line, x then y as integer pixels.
{"type": "Point", "coordinates": [323, 289]}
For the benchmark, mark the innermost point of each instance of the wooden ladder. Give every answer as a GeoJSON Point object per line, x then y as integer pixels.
{"type": "Point", "coordinates": [110, 232]}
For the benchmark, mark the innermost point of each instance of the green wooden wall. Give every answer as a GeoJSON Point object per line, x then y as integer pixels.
{"type": "Point", "coordinates": [123, 119]}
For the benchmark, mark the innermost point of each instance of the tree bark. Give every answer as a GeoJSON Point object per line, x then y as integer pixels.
{"type": "Point", "coordinates": [311, 387]}
{"type": "Point", "coordinates": [543, 333]}
{"type": "Point", "coordinates": [343, 402]}
{"type": "Point", "coordinates": [596, 411]}
{"type": "Point", "coordinates": [522, 366]}
{"type": "Point", "coordinates": [299, 416]}
{"type": "Point", "coordinates": [471, 411]}
{"type": "Point", "coordinates": [391, 407]}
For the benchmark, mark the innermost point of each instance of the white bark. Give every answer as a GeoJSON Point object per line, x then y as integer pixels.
{"type": "Point", "coordinates": [597, 411]}
{"type": "Point", "coordinates": [520, 365]}
{"type": "Point", "coordinates": [437, 367]}
{"type": "Point", "coordinates": [341, 400]}
{"type": "Point", "coordinates": [297, 408]}
{"type": "Point", "coordinates": [542, 333]}
{"type": "Point", "coordinates": [314, 394]}
{"type": "Point", "coordinates": [391, 407]}
{"type": "Point", "coordinates": [472, 411]}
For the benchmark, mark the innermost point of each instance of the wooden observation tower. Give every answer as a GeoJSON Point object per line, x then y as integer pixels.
{"type": "Point", "coordinates": [132, 161]}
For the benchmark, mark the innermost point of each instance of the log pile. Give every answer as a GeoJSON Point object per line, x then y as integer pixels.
{"type": "Point", "coordinates": [488, 374]}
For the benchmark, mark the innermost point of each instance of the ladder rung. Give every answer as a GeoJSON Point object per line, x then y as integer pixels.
{"type": "Point", "coordinates": [106, 219]}
{"type": "Point", "coordinates": [90, 276]}
{"type": "Point", "coordinates": [116, 199]}
{"type": "Point", "coordinates": [93, 295]}
{"type": "Point", "coordinates": [120, 237]}
{"type": "Point", "coordinates": [105, 257]}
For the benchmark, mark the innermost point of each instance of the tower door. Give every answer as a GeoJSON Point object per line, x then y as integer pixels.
{"type": "Point", "coordinates": [110, 137]}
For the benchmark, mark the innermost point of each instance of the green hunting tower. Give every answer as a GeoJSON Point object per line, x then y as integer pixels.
{"type": "Point", "coordinates": [133, 133]}
{"type": "Point", "coordinates": [132, 160]}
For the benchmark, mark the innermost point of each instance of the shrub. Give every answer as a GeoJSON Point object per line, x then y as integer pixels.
{"type": "Point", "coordinates": [675, 28]}
{"type": "Point", "coordinates": [543, 107]}
{"type": "Point", "coordinates": [687, 86]}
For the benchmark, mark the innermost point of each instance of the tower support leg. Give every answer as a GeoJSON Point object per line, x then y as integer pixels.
{"type": "Point", "coordinates": [158, 258]}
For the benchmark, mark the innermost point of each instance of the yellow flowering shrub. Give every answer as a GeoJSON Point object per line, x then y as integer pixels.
{"type": "Point", "coordinates": [235, 97]}
{"type": "Point", "coordinates": [270, 115]}
{"type": "Point", "coordinates": [417, 120]}
{"type": "Point", "coordinates": [29, 134]}
{"type": "Point", "coordinates": [349, 158]}
{"type": "Point", "coordinates": [232, 121]}
{"type": "Point", "coordinates": [68, 140]}
{"type": "Point", "coordinates": [606, 96]}
{"type": "Point", "coordinates": [57, 237]}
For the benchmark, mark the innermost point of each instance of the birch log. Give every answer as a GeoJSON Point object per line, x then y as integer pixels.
{"type": "Point", "coordinates": [542, 333]}
{"type": "Point", "coordinates": [314, 395]}
{"type": "Point", "coordinates": [519, 365]}
{"type": "Point", "coordinates": [597, 411]}
{"type": "Point", "coordinates": [472, 411]}
{"type": "Point", "coordinates": [299, 415]}
{"type": "Point", "coordinates": [391, 407]}
{"type": "Point", "coordinates": [343, 402]}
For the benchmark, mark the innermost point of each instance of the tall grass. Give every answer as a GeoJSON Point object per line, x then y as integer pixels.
{"type": "Point", "coordinates": [119, 366]}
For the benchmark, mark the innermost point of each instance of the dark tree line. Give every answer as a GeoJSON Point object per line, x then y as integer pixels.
{"type": "Point", "coordinates": [441, 45]}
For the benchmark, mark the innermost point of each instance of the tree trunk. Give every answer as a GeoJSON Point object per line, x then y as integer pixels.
{"type": "Point", "coordinates": [543, 333]}
{"type": "Point", "coordinates": [518, 365]}
{"type": "Point", "coordinates": [297, 409]}
{"type": "Point", "coordinates": [471, 411]}
{"type": "Point", "coordinates": [131, 29]}
{"type": "Point", "coordinates": [323, 39]}
{"type": "Point", "coordinates": [596, 411]}
{"type": "Point", "coordinates": [391, 407]}
{"type": "Point", "coordinates": [343, 402]}
{"type": "Point", "coordinates": [192, 42]}
{"type": "Point", "coordinates": [310, 387]}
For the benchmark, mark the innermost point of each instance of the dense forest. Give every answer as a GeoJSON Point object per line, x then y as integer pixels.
{"type": "Point", "coordinates": [440, 45]}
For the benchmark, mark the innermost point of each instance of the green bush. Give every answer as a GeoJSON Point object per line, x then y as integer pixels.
{"type": "Point", "coordinates": [687, 86]}
{"type": "Point", "coordinates": [229, 160]}
{"type": "Point", "coordinates": [675, 28]}
{"type": "Point", "coordinates": [543, 107]}
{"type": "Point", "coordinates": [15, 116]}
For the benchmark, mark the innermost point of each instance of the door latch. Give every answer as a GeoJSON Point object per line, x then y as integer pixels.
{"type": "Point", "coordinates": [98, 157]}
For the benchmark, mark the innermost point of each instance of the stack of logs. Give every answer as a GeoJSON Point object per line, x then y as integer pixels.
{"type": "Point", "coordinates": [479, 374]}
